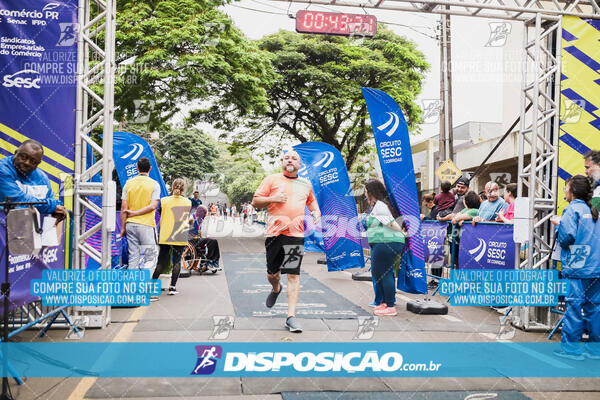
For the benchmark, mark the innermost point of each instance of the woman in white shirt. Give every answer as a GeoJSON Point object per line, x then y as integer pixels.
{"type": "Point", "coordinates": [386, 239]}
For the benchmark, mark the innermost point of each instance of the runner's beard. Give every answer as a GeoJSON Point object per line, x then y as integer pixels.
{"type": "Point", "coordinates": [290, 168]}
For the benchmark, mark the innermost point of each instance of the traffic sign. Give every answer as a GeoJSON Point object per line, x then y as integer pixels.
{"type": "Point", "coordinates": [448, 171]}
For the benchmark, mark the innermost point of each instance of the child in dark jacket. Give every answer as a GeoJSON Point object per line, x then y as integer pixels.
{"type": "Point", "coordinates": [444, 201]}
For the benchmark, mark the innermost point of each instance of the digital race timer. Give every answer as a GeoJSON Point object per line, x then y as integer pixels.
{"type": "Point", "coordinates": [329, 23]}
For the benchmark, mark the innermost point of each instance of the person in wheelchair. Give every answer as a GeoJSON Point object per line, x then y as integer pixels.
{"type": "Point", "coordinates": [201, 254]}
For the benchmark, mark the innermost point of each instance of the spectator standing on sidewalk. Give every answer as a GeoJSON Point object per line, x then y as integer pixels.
{"type": "Point", "coordinates": [386, 238]}
{"type": "Point", "coordinates": [592, 169]}
{"type": "Point", "coordinates": [138, 210]}
{"type": "Point", "coordinates": [245, 212]}
{"type": "Point", "coordinates": [472, 202]}
{"type": "Point", "coordinates": [493, 204]}
{"type": "Point", "coordinates": [251, 212]}
{"type": "Point", "coordinates": [462, 186]}
{"type": "Point", "coordinates": [428, 202]}
{"type": "Point", "coordinates": [510, 195]}
{"type": "Point", "coordinates": [577, 234]}
{"type": "Point", "coordinates": [174, 226]}
{"type": "Point", "coordinates": [195, 201]}
{"type": "Point", "coordinates": [233, 212]}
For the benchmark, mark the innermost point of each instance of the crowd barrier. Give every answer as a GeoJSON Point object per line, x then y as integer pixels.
{"type": "Point", "coordinates": [26, 311]}
{"type": "Point", "coordinates": [487, 245]}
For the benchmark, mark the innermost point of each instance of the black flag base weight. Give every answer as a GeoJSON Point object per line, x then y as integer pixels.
{"type": "Point", "coordinates": [362, 275]}
{"type": "Point", "coordinates": [427, 307]}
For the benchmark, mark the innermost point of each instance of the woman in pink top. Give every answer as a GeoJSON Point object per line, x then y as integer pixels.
{"type": "Point", "coordinates": [510, 194]}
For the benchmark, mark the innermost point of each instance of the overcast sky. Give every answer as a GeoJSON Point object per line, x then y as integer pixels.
{"type": "Point", "coordinates": [477, 78]}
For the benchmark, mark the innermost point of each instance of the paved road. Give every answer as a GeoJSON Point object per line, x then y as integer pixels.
{"type": "Point", "coordinates": [190, 317]}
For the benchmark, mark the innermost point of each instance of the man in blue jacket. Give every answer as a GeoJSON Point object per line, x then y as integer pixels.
{"type": "Point", "coordinates": [22, 181]}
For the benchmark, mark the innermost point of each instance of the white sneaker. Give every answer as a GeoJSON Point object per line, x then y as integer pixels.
{"type": "Point", "coordinates": [154, 298]}
{"type": "Point", "coordinates": [173, 291]}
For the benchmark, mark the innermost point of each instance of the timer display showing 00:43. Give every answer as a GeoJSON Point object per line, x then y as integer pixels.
{"type": "Point", "coordinates": [328, 23]}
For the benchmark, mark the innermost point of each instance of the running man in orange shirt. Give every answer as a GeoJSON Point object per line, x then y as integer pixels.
{"type": "Point", "coordinates": [285, 195]}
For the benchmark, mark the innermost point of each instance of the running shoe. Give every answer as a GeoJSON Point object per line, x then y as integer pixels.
{"type": "Point", "coordinates": [154, 298]}
{"type": "Point", "coordinates": [214, 266]}
{"type": "Point", "coordinates": [272, 298]}
{"type": "Point", "coordinates": [173, 291]}
{"type": "Point", "coordinates": [292, 324]}
{"type": "Point", "coordinates": [387, 311]}
{"type": "Point", "coordinates": [381, 306]}
{"type": "Point", "coordinates": [373, 304]}
{"type": "Point", "coordinates": [570, 356]}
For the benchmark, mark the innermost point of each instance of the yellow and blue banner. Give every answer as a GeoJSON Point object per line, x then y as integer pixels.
{"type": "Point", "coordinates": [579, 98]}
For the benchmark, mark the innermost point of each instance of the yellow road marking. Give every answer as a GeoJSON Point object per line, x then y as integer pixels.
{"type": "Point", "coordinates": [122, 336]}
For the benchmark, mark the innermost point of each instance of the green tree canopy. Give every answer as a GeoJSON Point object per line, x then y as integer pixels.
{"type": "Point", "coordinates": [316, 95]}
{"type": "Point", "coordinates": [185, 154]}
{"type": "Point", "coordinates": [239, 174]}
{"type": "Point", "coordinates": [171, 53]}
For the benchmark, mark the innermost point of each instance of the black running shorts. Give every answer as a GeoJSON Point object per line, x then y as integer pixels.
{"type": "Point", "coordinates": [284, 253]}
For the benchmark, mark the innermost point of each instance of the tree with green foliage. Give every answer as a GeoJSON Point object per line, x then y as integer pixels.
{"type": "Point", "coordinates": [185, 53]}
{"type": "Point", "coordinates": [185, 154]}
{"type": "Point", "coordinates": [316, 95]}
{"type": "Point", "coordinates": [239, 174]}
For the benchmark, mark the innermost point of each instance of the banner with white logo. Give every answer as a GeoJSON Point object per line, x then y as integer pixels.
{"type": "Point", "coordinates": [24, 268]}
{"type": "Point", "coordinates": [38, 88]}
{"type": "Point", "coordinates": [395, 157]}
{"type": "Point", "coordinates": [127, 150]}
{"type": "Point", "coordinates": [313, 234]}
{"type": "Point", "coordinates": [327, 173]}
{"type": "Point", "coordinates": [434, 234]}
{"type": "Point", "coordinates": [38, 81]}
{"type": "Point", "coordinates": [486, 246]}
